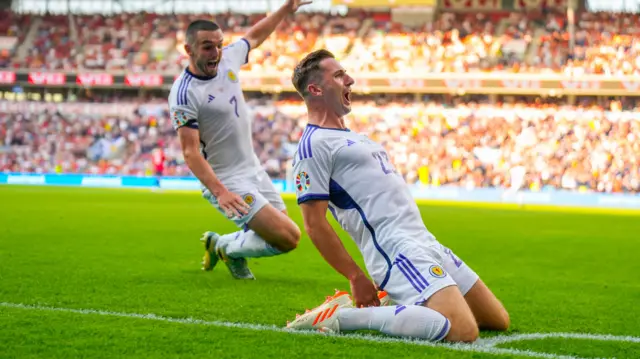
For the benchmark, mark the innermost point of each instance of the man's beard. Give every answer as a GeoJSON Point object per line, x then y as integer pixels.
{"type": "Point", "coordinates": [204, 68]}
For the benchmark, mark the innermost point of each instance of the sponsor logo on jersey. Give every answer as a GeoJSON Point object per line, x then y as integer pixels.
{"type": "Point", "coordinates": [232, 76]}
{"type": "Point", "coordinates": [249, 199]}
{"type": "Point", "coordinates": [437, 271]}
{"type": "Point", "coordinates": [302, 181]}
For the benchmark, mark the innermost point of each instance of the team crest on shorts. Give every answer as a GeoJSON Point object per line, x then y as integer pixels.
{"type": "Point", "coordinates": [249, 199]}
{"type": "Point", "coordinates": [232, 76]}
{"type": "Point", "coordinates": [302, 181]}
{"type": "Point", "coordinates": [437, 271]}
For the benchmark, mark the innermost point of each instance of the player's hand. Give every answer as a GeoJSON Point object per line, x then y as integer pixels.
{"type": "Point", "coordinates": [364, 293]}
{"type": "Point", "coordinates": [232, 204]}
{"type": "Point", "coordinates": [293, 5]}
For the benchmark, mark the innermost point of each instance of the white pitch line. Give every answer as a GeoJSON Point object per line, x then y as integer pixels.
{"type": "Point", "coordinates": [502, 339]}
{"type": "Point", "coordinates": [481, 346]}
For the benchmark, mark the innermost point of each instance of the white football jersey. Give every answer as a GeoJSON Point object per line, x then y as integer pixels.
{"type": "Point", "coordinates": [368, 198]}
{"type": "Point", "coordinates": [216, 107]}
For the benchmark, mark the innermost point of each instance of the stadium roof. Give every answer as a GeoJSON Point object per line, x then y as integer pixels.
{"type": "Point", "coordinates": [614, 5]}
{"type": "Point", "coordinates": [161, 6]}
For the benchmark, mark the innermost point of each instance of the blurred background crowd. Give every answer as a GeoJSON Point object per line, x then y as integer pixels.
{"type": "Point", "coordinates": [525, 41]}
{"type": "Point", "coordinates": [583, 142]}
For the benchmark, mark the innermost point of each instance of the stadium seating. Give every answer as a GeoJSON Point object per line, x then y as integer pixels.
{"type": "Point", "coordinates": [606, 43]}
{"type": "Point", "coordinates": [13, 30]}
{"type": "Point", "coordinates": [472, 145]}
{"type": "Point", "coordinates": [514, 42]}
{"type": "Point", "coordinates": [53, 47]}
{"type": "Point", "coordinates": [437, 142]}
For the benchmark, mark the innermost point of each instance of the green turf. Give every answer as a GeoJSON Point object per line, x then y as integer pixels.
{"type": "Point", "coordinates": [579, 347]}
{"type": "Point", "coordinates": [138, 252]}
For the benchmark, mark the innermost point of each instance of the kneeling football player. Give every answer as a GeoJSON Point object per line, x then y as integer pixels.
{"type": "Point", "coordinates": [437, 296]}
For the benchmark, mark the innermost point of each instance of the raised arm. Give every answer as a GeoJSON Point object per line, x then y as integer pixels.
{"type": "Point", "coordinates": [260, 31]}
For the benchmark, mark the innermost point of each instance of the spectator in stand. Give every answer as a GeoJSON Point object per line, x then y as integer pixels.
{"type": "Point", "coordinates": [532, 41]}
{"type": "Point", "coordinates": [433, 143]}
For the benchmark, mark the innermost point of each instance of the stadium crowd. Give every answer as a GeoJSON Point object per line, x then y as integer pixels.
{"type": "Point", "coordinates": [463, 143]}
{"type": "Point", "coordinates": [531, 41]}
{"type": "Point", "coordinates": [532, 144]}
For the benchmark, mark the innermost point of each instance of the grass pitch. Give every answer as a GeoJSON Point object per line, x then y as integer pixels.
{"type": "Point", "coordinates": [127, 251]}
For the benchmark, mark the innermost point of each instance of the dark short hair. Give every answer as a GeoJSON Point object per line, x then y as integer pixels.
{"type": "Point", "coordinates": [199, 25]}
{"type": "Point", "coordinates": [307, 69]}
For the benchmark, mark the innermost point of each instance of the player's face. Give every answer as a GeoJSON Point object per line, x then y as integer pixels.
{"type": "Point", "coordinates": [336, 87]}
{"type": "Point", "coordinates": [207, 52]}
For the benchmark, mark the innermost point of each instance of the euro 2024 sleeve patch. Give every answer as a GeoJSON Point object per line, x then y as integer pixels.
{"type": "Point", "coordinates": [302, 181]}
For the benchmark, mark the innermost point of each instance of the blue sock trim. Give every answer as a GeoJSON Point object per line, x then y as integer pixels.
{"type": "Point", "coordinates": [443, 333]}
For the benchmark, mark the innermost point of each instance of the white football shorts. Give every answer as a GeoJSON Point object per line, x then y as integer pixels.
{"type": "Point", "coordinates": [418, 272]}
{"type": "Point", "coordinates": [257, 192]}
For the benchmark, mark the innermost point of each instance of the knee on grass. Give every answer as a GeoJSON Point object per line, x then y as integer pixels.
{"type": "Point", "coordinates": [506, 321]}
{"type": "Point", "coordinates": [464, 331]}
{"type": "Point", "coordinates": [501, 323]}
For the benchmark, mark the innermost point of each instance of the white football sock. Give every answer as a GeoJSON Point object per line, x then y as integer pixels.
{"type": "Point", "coordinates": [400, 320]}
{"type": "Point", "coordinates": [247, 244]}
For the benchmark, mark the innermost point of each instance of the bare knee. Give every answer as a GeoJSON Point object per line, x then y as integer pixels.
{"type": "Point", "coordinates": [470, 334]}
{"type": "Point", "coordinates": [487, 309]}
{"type": "Point", "coordinates": [497, 319]}
{"type": "Point", "coordinates": [276, 229]}
{"type": "Point", "coordinates": [504, 322]}
{"type": "Point", "coordinates": [463, 331]}
{"type": "Point", "coordinates": [289, 238]}
{"type": "Point", "coordinates": [451, 304]}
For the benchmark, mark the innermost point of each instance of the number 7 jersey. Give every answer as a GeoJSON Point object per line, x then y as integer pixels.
{"type": "Point", "coordinates": [367, 197]}
{"type": "Point", "coordinates": [216, 107]}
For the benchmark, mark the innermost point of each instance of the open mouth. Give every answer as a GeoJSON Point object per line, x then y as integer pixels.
{"type": "Point", "coordinates": [347, 98]}
{"type": "Point", "coordinates": [212, 65]}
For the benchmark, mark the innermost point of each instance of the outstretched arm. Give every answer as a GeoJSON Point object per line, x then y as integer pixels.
{"type": "Point", "coordinates": [260, 31]}
{"type": "Point", "coordinates": [231, 203]}
{"type": "Point", "coordinates": [333, 251]}
{"type": "Point", "coordinates": [183, 106]}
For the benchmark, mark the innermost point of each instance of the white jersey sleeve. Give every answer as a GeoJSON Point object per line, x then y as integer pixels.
{"type": "Point", "coordinates": [183, 108]}
{"type": "Point", "coordinates": [237, 53]}
{"type": "Point", "coordinates": [312, 168]}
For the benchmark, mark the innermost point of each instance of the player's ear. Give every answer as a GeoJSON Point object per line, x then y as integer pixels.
{"type": "Point", "coordinates": [188, 49]}
{"type": "Point", "coordinates": [314, 90]}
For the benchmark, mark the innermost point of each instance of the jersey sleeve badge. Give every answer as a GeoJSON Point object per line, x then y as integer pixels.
{"type": "Point", "coordinates": [302, 181]}
{"type": "Point", "coordinates": [437, 271]}
{"type": "Point", "coordinates": [179, 118]}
